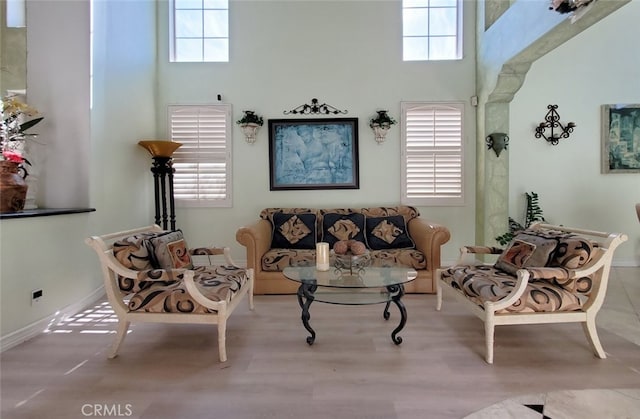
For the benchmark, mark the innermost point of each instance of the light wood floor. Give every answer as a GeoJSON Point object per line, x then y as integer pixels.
{"type": "Point", "coordinates": [352, 371]}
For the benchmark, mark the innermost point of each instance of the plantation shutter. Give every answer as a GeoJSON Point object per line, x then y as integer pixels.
{"type": "Point", "coordinates": [432, 148]}
{"type": "Point", "coordinates": [203, 162]}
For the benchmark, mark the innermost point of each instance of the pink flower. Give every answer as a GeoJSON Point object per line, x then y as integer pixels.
{"type": "Point", "coordinates": [12, 156]}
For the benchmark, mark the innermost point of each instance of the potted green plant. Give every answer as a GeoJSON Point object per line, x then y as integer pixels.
{"type": "Point", "coordinates": [17, 119]}
{"type": "Point", "coordinates": [381, 124]}
{"type": "Point", "coordinates": [250, 122]}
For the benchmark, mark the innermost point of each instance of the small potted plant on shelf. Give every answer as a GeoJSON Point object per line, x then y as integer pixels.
{"type": "Point", "coordinates": [381, 124]}
{"type": "Point", "coordinates": [17, 119]}
{"type": "Point", "coordinates": [250, 123]}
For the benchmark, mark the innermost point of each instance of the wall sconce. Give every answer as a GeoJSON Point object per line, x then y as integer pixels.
{"type": "Point", "coordinates": [380, 125]}
{"type": "Point", "coordinates": [552, 120]}
{"type": "Point", "coordinates": [497, 142]}
{"type": "Point", "coordinates": [250, 123]}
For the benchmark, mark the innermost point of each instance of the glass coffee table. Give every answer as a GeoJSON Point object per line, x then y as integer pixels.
{"type": "Point", "coordinates": [370, 285]}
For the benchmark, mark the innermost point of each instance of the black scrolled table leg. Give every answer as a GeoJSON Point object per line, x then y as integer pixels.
{"type": "Point", "coordinates": [396, 292]}
{"type": "Point", "coordinates": [386, 313]}
{"type": "Point", "coordinates": [305, 298]}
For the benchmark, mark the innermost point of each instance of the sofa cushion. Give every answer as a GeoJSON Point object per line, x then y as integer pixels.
{"type": "Point", "coordinates": [293, 231]}
{"type": "Point", "coordinates": [407, 212]}
{"type": "Point", "coordinates": [387, 233]}
{"type": "Point", "coordinates": [275, 260]}
{"type": "Point", "coordinates": [163, 258]}
{"type": "Point", "coordinates": [336, 227]}
{"type": "Point", "coordinates": [411, 258]}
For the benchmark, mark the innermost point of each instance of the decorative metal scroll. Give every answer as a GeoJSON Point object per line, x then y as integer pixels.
{"type": "Point", "coordinates": [315, 109]}
{"type": "Point", "coordinates": [552, 120]}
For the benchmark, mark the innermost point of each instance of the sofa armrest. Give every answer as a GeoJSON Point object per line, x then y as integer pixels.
{"type": "Point", "coordinates": [429, 238]}
{"type": "Point", "coordinates": [256, 238]}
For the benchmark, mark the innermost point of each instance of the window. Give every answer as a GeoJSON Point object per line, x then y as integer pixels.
{"type": "Point", "coordinates": [203, 163]}
{"type": "Point", "coordinates": [199, 30]}
{"type": "Point", "coordinates": [431, 30]}
{"type": "Point", "coordinates": [432, 148]}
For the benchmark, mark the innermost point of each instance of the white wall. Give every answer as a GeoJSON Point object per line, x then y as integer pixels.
{"type": "Point", "coordinates": [345, 53]}
{"type": "Point", "coordinates": [599, 66]}
{"type": "Point", "coordinates": [90, 162]}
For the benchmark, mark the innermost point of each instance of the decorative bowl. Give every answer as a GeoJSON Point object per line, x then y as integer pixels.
{"type": "Point", "coordinates": [351, 261]}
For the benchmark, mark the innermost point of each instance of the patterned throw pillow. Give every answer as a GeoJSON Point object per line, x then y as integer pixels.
{"type": "Point", "coordinates": [537, 253]}
{"type": "Point", "coordinates": [179, 253]}
{"type": "Point", "coordinates": [293, 231]}
{"type": "Point", "coordinates": [388, 233]}
{"type": "Point", "coordinates": [161, 255]}
{"type": "Point", "coordinates": [516, 255]}
{"type": "Point", "coordinates": [336, 227]}
{"type": "Point", "coordinates": [573, 252]}
{"type": "Point", "coordinates": [133, 253]}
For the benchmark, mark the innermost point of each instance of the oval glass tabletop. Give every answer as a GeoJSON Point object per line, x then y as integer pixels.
{"type": "Point", "coordinates": [370, 277]}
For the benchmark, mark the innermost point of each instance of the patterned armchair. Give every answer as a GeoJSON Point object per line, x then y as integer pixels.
{"type": "Point", "coordinates": [547, 274]}
{"type": "Point", "coordinates": [149, 276]}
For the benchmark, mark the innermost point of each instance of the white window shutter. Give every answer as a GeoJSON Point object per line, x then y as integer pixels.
{"type": "Point", "coordinates": [203, 162]}
{"type": "Point", "coordinates": [432, 161]}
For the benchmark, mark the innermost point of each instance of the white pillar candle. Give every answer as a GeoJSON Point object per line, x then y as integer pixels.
{"type": "Point", "coordinates": [322, 256]}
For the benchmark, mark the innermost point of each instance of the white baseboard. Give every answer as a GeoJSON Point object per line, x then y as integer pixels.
{"type": "Point", "coordinates": [34, 329]}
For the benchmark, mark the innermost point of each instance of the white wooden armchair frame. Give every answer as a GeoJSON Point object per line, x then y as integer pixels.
{"type": "Point", "coordinates": [111, 268]}
{"type": "Point", "coordinates": [599, 266]}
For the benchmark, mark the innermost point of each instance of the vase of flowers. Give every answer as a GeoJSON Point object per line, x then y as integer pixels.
{"type": "Point", "coordinates": [13, 187]}
{"type": "Point", "coordinates": [17, 119]}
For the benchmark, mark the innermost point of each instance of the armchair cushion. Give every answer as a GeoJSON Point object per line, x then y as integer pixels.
{"type": "Point", "coordinates": [150, 250]}
{"type": "Point", "coordinates": [388, 233]}
{"type": "Point", "coordinates": [293, 231]}
{"type": "Point", "coordinates": [132, 252]}
{"type": "Point", "coordinates": [552, 249]}
{"type": "Point", "coordinates": [486, 283]}
{"type": "Point", "coordinates": [217, 283]}
{"type": "Point", "coordinates": [573, 252]}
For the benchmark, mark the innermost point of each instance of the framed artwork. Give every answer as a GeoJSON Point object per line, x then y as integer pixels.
{"type": "Point", "coordinates": [620, 138]}
{"type": "Point", "coordinates": [313, 154]}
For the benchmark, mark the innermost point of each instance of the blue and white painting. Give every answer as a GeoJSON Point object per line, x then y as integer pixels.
{"type": "Point", "coordinates": [314, 154]}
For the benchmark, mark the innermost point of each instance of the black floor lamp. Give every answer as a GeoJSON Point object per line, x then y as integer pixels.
{"type": "Point", "coordinates": [162, 169]}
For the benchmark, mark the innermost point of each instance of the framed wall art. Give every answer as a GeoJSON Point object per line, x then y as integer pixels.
{"type": "Point", "coordinates": [620, 138]}
{"type": "Point", "coordinates": [319, 153]}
